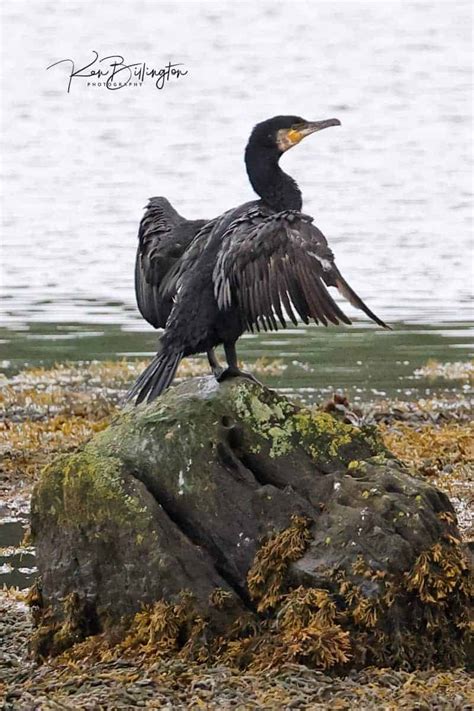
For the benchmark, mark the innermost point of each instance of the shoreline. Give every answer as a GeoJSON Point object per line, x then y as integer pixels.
{"type": "Point", "coordinates": [48, 411]}
{"type": "Point", "coordinates": [176, 684]}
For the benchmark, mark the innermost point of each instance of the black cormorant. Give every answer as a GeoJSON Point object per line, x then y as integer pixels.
{"type": "Point", "coordinates": [253, 267]}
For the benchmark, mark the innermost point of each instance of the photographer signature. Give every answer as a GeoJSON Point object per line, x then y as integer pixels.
{"type": "Point", "coordinates": [117, 74]}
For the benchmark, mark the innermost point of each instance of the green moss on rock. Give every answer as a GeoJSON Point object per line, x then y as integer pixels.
{"type": "Point", "coordinates": [87, 489]}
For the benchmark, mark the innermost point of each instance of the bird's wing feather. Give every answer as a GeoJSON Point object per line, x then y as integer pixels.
{"type": "Point", "coordinates": [163, 237]}
{"type": "Point", "coordinates": [171, 284]}
{"type": "Point", "coordinates": [279, 265]}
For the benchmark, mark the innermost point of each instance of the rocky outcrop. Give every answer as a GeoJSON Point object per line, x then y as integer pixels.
{"type": "Point", "coordinates": [284, 533]}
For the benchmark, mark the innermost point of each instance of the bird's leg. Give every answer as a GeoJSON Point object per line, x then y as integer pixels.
{"type": "Point", "coordinates": [233, 370]}
{"type": "Point", "coordinates": [216, 367]}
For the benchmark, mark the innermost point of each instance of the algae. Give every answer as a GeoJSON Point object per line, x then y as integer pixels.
{"type": "Point", "coordinates": [87, 488]}
{"type": "Point", "coordinates": [323, 436]}
{"type": "Point", "coordinates": [321, 628]}
{"type": "Point", "coordinates": [266, 577]}
{"type": "Point", "coordinates": [52, 636]}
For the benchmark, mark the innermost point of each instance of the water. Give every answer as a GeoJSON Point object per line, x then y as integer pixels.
{"type": "Point", "coordinates": [364, 361]}
{"type": "Point", "coordinates": [17, 561]}
{"type": "Point", "coordinates": [391, 188]}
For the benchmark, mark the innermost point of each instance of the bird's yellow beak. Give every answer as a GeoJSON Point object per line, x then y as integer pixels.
{"type": "Point", "coordinates": [289, 137]}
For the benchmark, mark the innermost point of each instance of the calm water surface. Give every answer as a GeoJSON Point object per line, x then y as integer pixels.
{"type": "Point", "coordinates": [390, 188]}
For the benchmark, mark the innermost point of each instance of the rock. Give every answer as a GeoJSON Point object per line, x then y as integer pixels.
{"type": "Point", "coordinates": [263, 531]}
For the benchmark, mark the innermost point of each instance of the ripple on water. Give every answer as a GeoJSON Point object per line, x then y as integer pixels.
{"type": "Point", "coordinates": [391, 188]}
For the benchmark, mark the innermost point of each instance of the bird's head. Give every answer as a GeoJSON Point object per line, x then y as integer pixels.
{"type": "Point", "coordinates": [280, 133]}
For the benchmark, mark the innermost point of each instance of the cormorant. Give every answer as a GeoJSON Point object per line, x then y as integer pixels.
{"type": "Point", "coordinates": [253, 267]}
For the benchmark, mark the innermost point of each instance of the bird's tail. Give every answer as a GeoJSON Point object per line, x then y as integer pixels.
{"type": "Point", "coordinates": [354, 299]}
{"type": "Point", "coordinates": [156, 377]}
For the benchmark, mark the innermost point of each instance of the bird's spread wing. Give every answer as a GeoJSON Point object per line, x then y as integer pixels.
{"type": "Point", "coordinates": [163, 237]}
{"type": "Point", "coordinates": [280, 265]}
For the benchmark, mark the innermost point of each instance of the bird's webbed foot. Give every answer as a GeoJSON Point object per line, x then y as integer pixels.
{"type": "Point", "coordinates": [233, 372]}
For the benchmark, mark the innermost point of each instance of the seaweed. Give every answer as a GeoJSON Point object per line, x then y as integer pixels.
{"type": "Point", "coordinates": [266, 577]}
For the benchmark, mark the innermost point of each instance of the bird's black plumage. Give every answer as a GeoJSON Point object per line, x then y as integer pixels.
{"type": "Point", "coordinates": [253, 267]}
{"type": "Point", "coordinates": [163, 237]}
